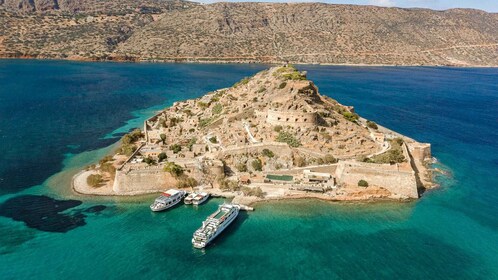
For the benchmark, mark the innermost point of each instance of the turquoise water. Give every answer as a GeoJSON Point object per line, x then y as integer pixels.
{"type": "Point", "coordinates": [56, 117]}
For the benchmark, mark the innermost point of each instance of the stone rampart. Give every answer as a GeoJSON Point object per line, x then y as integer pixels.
{"type": "Point", "coordinates": [291, 118]}
{"type": "Point", "coordinates": [401, 183]}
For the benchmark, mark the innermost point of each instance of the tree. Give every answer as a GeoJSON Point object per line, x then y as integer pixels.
{"type": "Point", "coordinates": [94, 180]}
{"type": "Point", "coordinates": [149, 160]}
{"type": "Point", "coordinates": [162, 156]}
{"type": "Point", "coordinates": [175, 148]}
{"type": "Point", "coordinates": [163, 138]}
{"type": "Point", "coordinates": [257, 164]}
{"type": "Point", "coordinates": [363, 183]}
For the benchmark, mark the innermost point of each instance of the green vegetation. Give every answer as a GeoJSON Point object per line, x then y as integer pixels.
{"type": "Point", "coordinates": [149, 160]}
{"type": "Point", "coordinates": [372, 125]}
{"type": "Point", "coordinates": [244, 81]}
{"type": "Point", "coordinates": [329, 159]}
{"type": "Point", "coordinates": [217, 109]}
{"type": "Point", "coordinates": [108, 168]}
{"type": "Point", "coordinates": [127, 149]}
{"type": "Point", "coordinates": [205, 122]}
{"type": "Point", "coordinates": [186, 182]}
{"type": "Point", "coordinates": [176, 148]}
{"type": "Point", "coordinates": [174, 169]}
{"type": "Point", "coordinates": [203, 105]}
{"type": "Point", "coordinates": [363, 183]}
{"type": "Point", "coordinates": [288, 138]}
{"type": "Point", "coordinates": [257, 165]}
{"type": "Point", "coordinates": [352, 117]}
{"type": "Point", "coordinates": [295, 76]}
{"type": "Point", "coordinates": [241, 167]}
{"type": "Point", "coordinates": [299, 161]}
{"type": "Point", "coordinates": [161, 157]}
{"type": "Point", "coordinates": [277, 128]}
{"type": "Point", "coordinates": [94, 180]}
{"type": "Point", "coordinates": [163, 138]}
{"type": "Point", "coordinates": [282, 85]}
{"type": "Point", "coordinates": [191, 143]}
{"type": "Point", "coordinates": [267, 153]}
{"type": "Point", "coordinates": [213, 140]}
{"type": "Point", "coordinates": [132, 137]}
{"type": "Point", "coordinates": [261, 90]}
{"type": "Point", "coordinates": [394, 155]}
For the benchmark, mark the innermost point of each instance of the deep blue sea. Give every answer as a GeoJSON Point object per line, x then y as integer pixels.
{"type": "Point", "coordinates": [57, 117]}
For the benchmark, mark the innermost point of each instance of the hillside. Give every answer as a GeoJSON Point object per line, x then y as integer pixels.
{"type": "Point", "coordinates": [255, 32]}
{"type": "Point", "coordinates": [273, 132]}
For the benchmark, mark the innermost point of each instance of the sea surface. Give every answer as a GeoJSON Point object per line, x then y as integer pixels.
{"type": "Point", "coordinates": [58, 117]}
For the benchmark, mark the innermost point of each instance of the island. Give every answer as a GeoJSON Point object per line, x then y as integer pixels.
{"type": "Point", "coordinates": [270, 136]}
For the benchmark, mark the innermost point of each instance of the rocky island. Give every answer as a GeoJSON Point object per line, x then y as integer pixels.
{"type": "Point", "coordinates": [270, 136]}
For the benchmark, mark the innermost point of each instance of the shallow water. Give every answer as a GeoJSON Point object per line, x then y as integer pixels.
{"type": "Point", "coordinates": [57, 117]}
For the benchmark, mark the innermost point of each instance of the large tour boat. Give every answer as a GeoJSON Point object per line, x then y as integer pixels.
{"type": "Point", "coordinates": [215, 224]}
{"type": "Point", "coordinates": [200, 198]}
{"type": "Point", "coordinates": [167, 200]}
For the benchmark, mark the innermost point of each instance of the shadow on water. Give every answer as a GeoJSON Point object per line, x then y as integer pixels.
{"type": "Point", "coordinates": [47, 214]}
{"type": "Point", "coordinates": [230, 230]}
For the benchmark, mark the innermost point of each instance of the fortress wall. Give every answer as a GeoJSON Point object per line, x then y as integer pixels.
{"type": "Point", "coordinates": [280, 149]}
{"type": "Point", "coordinates": [290, 118]}
{"type": "Point", "coordinates": [420, 151]}
{"type": "Point", "coordinates": [399, 183]}
{"type": "Point", "coordinates": [142, 181]}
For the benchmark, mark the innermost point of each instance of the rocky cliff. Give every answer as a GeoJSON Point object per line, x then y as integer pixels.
{"type": "Point", "coordinates": [248, 32]}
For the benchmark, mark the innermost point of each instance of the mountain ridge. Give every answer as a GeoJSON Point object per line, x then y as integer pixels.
{"type": "Point", "coordinates": [262, 32]}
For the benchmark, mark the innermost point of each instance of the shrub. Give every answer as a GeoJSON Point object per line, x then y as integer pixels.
{"type": "Point", "coordinates": [299, 161]}
{"type": "Point", "coordinates": [105, 159]}
{"type": "Point", "coordinates": [132, 137]}
{"type": "Point", "coordinates": [174, 169]}
{"type": "Point", "coordinates": [288, 138]}
{"type": "Point", "coordinates": [372, 125]}
{"type": "Point", "coordinates": [363, 183]}
{"type": "Point", "coordinates": [94, 180]}
{"type": "Point", "coordinates": [217, 109]}
{"type": "Point", "coordinates": [127, 149]}
{"type": "Point", "coordinates": [261, 89]}
{"type": "Point", "coordinates": [213, 140]}
{"type": "Point", "coordinates": [203, 105]}
{"type": "Point", "coordinates": [244, 81]}
{"type": "Point", "coordinates": [205, 122]}
{"type": "Point", "coordinates": [186, 182]}
{"type": "Point", "coordinates": [161, 157]}
{"type": "Point", "coordinates": [257, 165]}
{"type": "Point", "coordinates": [191, 143]}
{"type": "Point", "coordinates": [149, 160]}
{"type": "Point", "coordinates": [277, 128]}
{"type": "Point", "coordinates": [241, 167]}
{"type": "Point", "coordinates": [352, 117]}
{"type": "Point", "coordinates": [109, 168]}
{"type": "Point", "coordinates": [329, 159]}
{"type": "Point", "coordinates": [267, 153]}
{"type": "Point", "coordinates": [248, 191]}
{"type": "Point", "coordinates": [176, 148]}
{"type": "Point", "coordinates": [228, 185]}
{"type": "Point", "coordinates": [282, 85]}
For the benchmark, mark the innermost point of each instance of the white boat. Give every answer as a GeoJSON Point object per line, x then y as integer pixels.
{"type": "Point", "coordinates": [215, 224]}
{"type": "Point", "coordinates": [200, 198]}
{"type": "Point", "coordinates": [167, 200]}
{"type": "Point", "coordinates": [189, 198]}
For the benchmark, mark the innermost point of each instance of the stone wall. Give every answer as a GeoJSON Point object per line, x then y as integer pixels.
{"type": "Point", "coordinates": [291, 118]}
{"type": "Point", "coordinates": [280, 149]}
{"type": "Point", "coordinates": [401, 183]}
{"type": "Point", "coordinates": [142, 181]}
